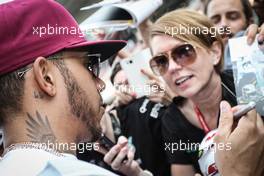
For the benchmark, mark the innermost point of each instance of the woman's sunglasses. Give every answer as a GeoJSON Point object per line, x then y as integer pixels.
{"type": "Point", "coordinates": [183, 55]}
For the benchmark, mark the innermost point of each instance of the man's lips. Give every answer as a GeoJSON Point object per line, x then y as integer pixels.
{"type": "Point", "coordinates": [227, 35]}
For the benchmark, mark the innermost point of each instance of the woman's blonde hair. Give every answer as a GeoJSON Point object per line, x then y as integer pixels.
{"type": "Point", "coordinates": [191, 27]}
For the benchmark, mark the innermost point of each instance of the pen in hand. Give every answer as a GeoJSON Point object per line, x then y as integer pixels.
{"type": "Point", "coordinates": [244, 110]}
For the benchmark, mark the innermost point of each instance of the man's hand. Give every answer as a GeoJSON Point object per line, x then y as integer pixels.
{"type": "Point", "coordinates": [245, 156]}
{"type": "Point", "coordinates": [251, 33]}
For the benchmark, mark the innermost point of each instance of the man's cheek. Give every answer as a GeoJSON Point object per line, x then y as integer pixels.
{"type": "Point", "coordinates": [238, 26]}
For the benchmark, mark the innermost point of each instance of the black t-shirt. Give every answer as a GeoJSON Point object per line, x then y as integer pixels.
{"type": "Point", "coordinates": [181, 138]}
{"type": "Point", "coordinates": [141, 120]}
{"type": "Point", "coordinates": [96, 158]}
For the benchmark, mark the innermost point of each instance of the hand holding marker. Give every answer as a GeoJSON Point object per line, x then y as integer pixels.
{"type": "Point", "coordinates": [244, 110]}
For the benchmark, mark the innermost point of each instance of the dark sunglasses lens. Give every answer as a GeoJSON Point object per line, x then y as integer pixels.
{"type": "Point", "coordinates": [184, 55]}
{"type": "Point", "coordinates": [94, 66]}
{"type": "Point", "coordinates": [159, 64]}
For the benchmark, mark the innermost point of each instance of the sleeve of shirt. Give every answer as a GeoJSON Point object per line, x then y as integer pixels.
{"type": "Point", "coordinates": [174, 143]}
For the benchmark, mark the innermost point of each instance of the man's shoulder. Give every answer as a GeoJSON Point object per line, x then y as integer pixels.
{"type": "Point", "coordinates": [25, 161]}
{"type": "Point", "coordinates": [32, 162]}
{"type": "Point", "coordinates": [62, 166]}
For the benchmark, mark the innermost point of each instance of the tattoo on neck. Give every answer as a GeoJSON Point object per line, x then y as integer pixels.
{"type": "Point", "coordinates": [39, 129]}
{"type": "Point", "coordinates": [38, 95]}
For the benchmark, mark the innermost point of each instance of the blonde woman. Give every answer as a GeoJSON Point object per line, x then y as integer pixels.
{"type": "Point", "coordinates": [188, 54]}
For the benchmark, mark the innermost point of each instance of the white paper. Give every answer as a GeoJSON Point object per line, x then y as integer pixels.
{"type": "Point", "coordinates": [240, 48]}
{"type": "Point", "coordinates": [248, 70]}
{"type": "Point", "coordinates": [140, 10]}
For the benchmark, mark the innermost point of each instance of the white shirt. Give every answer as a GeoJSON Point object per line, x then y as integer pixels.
{"type": "Point", "coordinates": [37, 162]}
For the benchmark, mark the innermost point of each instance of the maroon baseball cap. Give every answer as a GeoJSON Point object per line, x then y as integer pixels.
{"type": "Point", "coordinates": [33, 28]}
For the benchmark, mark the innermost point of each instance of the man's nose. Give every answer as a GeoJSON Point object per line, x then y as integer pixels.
{"type": "Point", "coordinates": [224, 22]}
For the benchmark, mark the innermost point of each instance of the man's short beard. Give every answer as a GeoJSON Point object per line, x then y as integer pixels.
{"type": "Point", "coordinates": [78, 102]}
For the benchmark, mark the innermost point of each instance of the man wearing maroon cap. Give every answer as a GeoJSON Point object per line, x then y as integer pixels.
{"type": "Point", "coordinates": [50, 91]}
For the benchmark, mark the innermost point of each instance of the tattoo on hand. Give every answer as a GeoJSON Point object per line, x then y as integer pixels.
{"type": "Point", "coordinates": [39, 129]}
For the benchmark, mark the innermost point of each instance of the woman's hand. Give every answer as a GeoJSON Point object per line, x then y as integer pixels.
{"type": "Point", "coordinates": [116, 158]}
{"type": "Point", "coordinates": [160, 92]}
{"type": "Point", "coordinates": [123, 95]}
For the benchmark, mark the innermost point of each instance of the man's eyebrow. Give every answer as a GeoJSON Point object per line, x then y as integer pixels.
{"type": "Point", "coordinates": [214, 16]}
{"type": "Point", "coordinates": [233, 11]}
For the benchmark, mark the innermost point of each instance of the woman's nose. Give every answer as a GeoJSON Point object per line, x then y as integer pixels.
{"type": "Point", "coordinates": [173, 66]}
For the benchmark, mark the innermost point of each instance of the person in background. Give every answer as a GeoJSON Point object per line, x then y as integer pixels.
{"type": "Point", "coordinates": [119, 80]}
{"type": "Point", "coordinates": [233, 14]}
{"type": "Point", "coordinates": [139, 116]}
{"type": "Point", "coordinates": [258, 6]}
{"type": "Point", "coordinates": [191, 65]}
{"type": "Point", "coordinates": [236, 18]}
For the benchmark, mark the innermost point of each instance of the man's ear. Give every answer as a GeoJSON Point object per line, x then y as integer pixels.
{"type": "Point", "coordinates": [217, 52]}
{"type": "Point", "coordinates": [44, 76]}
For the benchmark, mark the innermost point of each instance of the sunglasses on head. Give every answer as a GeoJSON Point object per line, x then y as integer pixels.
{"type": "Point", "coordinates": [183, 55]}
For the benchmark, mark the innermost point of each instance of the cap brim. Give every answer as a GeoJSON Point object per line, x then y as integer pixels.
{"type": "Point", "coordinates": [106, 48]}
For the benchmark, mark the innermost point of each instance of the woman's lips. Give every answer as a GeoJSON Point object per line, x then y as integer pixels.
{"type": "Point", "coordinates": [182, 80]}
